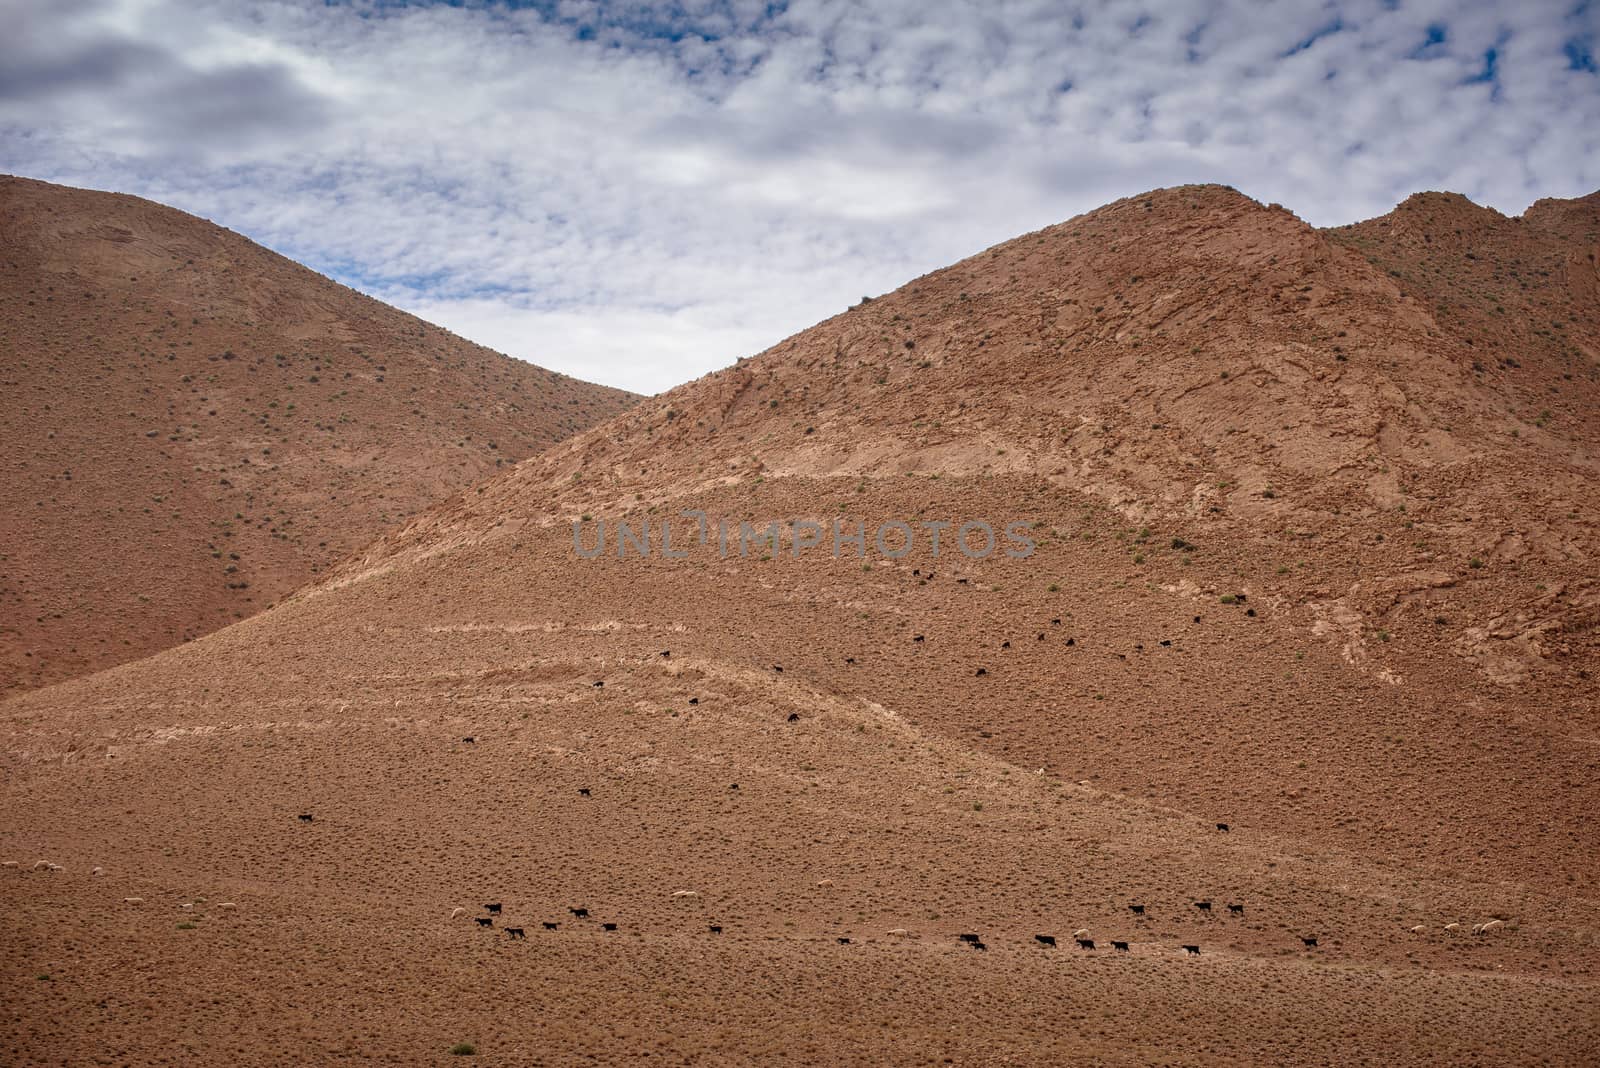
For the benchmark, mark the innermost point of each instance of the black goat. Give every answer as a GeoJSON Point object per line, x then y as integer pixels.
{"type": "Point", "coordinates": [583, 791]}
{"type": "Point", "coordinates": [1203, 906]}
{"type": "Point", "coordinates": [778, 668]}
{"type": "Point", "coordinates": [969, 938]}
{"type": "Point", "coordinates": [983, 671]}
{"type": "Point", "coordinates": [1222, 827]}
{"type": "Point", "coordinates": [844, 941]}
{"type": "Point", "coordinates": [608, 927]}
{"type": "Point", "coordinates": [849, 660]}
{"type": "Point", "coordinates": [694, 700]}
{"type": "Point", "coordinates": [1072, 641]}
{"type": "Point", "coordinates": [1193, 951]}
{"type": "Point", "coordinates": [1056, 622]}
{"type": "Point", "coordinates": [548, 926]}
{"type": "Point", "coordinates": [469, 739]}
{"type": "Point", "coordinates": [598, 684]}
{"type": "Point", "coordinates": [918, 638]}
{"type": "Point", "coordinates": [515, 932]}
{"type": "Point", "coordinates": [493, 909]}
{"type": "Point", "coordinates": [305, 817]}
{"type": "Point", "coordinates": [1120, 947]}
{"type": "Point", "coordinates": [484, 921]}
{"type": "Point", "coordinates": [976, 945]}
{"type": "Point", "coordinates": [1085, 943]}
{"type": "Point", "coordinates": [1005, 644]}
{"type": "Point", "coordinates": [666, 652]}
{"type": "Point", "coordinates": [1237, 910]}
{"type": "Point", "coordinates": [1137, 910]}
{"type": "Point", "coordinates": [1046, 940]}
{"type": "Point", "coordinates": [580, 913]}
{"type": "Point", "coordinates": [716, 928]}
{"type": "Point", "coordinates": [794, 717]}
{"type": "Point", "coordinates": [1310, 942]}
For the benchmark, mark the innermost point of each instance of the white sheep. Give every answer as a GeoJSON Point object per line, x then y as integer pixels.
{"type": "Point", "coordinates": [1452, 927]}
{"type": "Point", "coordinates": [1082, 932]}
{"type": "Point", "coordinates": [98, 871]}
{"type": "Point", "coordinates": [10, 864]}
{"type": "Point", "coordinates": [899, 932]}
{"type": "Point", "coordinates": [185, 905]}
{"type": "Point", "coordinates": [133, 901]}
{"type": "Point", "coordinates": [227, 905]}
{"type": "Point", "coordinates": [41, 865]}
{"type": "Point", "coordinates": [457, 912]}
{"type": "Point", "coordinates": [1491, 925]}
{"type": "Point", "coordinates": [685, 893]}
{"type": "Point", "coordinates": [1419, 928]}
{"type": "Point", "coordinates": [824, 883]}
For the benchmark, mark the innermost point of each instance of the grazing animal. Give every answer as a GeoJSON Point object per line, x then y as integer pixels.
{"type": "Point", "coordinates": [1197, 619]}
{"type": "Point", "coordinates": [1251, 612]}
{"type": "Point", "coordinates": [470, 740]}
{"type": "Point", "coordinates": [794, 717]}
{"type": "Point", "coordinates": [548, 926]}
{"type": "Point", "coordinates": [494, 909]}
{"type": "Point", "coordinates": [1222, 827]}
{"type": "Point", "coordinates": [969, 938]}
{"type": "Point", "coordinates": [41, 865]}
{"type": "Point", "coordinates": [457, 912]}
{"type": "Point", "coordinates": [899, 932]}
{"type": "Point", "coordinates": [599, 683]}
{"type": "Point", "coordinates": [1310, 942]}
{"type": "Point", "coordinates": [1166, 641]}
{"type": "Point", "coordinates": [1237, 910]}
{"type": "Point", "coordinates": [1041, 635]}
{"type": "Point", "coordinates": [844, 941]}
{"type": "Point", "coordinates": [918, 638]}
{"type": "Point", "coordinates": [1193, 951]}
{"type": "Point", "coordinates": [962, 582]}
{"type": "Point", "coordinates": [1056, 622]}
{"type": "Point", "coordinates": [1418, 929]}
{"type": "Point", "coordinates": [983, 671]}
{"type": "Point", "coordinates": [1120, 947]}
{"type": "Point", "coordinates": [1046, 940]}
{"type": "Point", "coordinates": [824, 882]}
{"type": "Point", "coordinates": [133, 900]}
{"type": "Point", "coordinates": [849, 660]}
{"type": "Point", "coordinates": [685, 893]}
{"type": "Point", "coordinates": [733, 786]}
{"type": "Point", "coordinates": [716, 928]}
{"type": "Point", "coordinates": [515, 932]}
{"type": "Point", "coordinates": [694, 700]}
{"type": "Point", "coordinates": [1072, 641]}
{"type": "Point", "coordinates": [1085, 943]}
{"type": "Point", "coordinates": [977, 945]}
{"type": "Point", "coordinates": [1452, 927]}
{"type": "Point", "coordinates": [1203, 906]}
{"type": "Point", "coordinates": [1082, 932]}
{"type": "Point", "coordinates": [1137, 910]}
{"type": "Point", "coordinates": [583, 791]}
{"type": "Point", "coordinates": [778, 668]}
{"type": "Point", "coordinates": [608, 927]}
{"type": "Point", "coordinates": [484, 921]}
{"type": "Point", "coordinates": [1005, 645]}
{"type": "Point", "coordinates": [666, 652]}
{"type": "Point", "coordinates": [580, 913]}
{"type": "Point", "coordinates": [305, 817]}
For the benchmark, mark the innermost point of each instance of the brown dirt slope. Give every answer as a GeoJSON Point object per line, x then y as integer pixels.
{"type": "Point", "coordinates": [194, 425]}
{"type": "Point", "coordinates": [1294, 574]}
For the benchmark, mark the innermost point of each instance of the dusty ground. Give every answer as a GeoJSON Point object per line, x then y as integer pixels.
{"type": "Point", "coordinates": [1332, 603]}
{"type": "Point", "coordinates": [194, 426]}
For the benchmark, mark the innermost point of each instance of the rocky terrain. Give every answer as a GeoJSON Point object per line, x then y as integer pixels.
{"type": "Point", "coordinates": [194, 426]}
{"type": "Point", "coordinates": [1301, 665]}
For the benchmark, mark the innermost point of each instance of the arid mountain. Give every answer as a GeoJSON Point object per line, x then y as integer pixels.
{"type": "Point", "coordinates": [193, 426]}
{"type": "Point", "coordinates": [1309, 629]}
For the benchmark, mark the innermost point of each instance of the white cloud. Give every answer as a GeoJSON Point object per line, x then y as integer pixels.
{"type": "Point", "coordinates": [640, 193]}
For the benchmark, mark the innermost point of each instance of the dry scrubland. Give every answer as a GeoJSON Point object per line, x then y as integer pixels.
{"type": "Point", "coordinates": [1315, 516]}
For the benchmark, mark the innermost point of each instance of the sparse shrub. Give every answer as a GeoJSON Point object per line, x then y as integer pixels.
{"type": "Point", "coordinates": [463, 1049]}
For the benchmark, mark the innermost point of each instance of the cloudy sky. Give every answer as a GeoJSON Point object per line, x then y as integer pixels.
{"type": "Point", "coordinates": [641, 192]}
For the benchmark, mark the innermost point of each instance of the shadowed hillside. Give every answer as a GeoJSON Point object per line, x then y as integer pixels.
{"type": "Point", "coordinates": [194, 425]}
